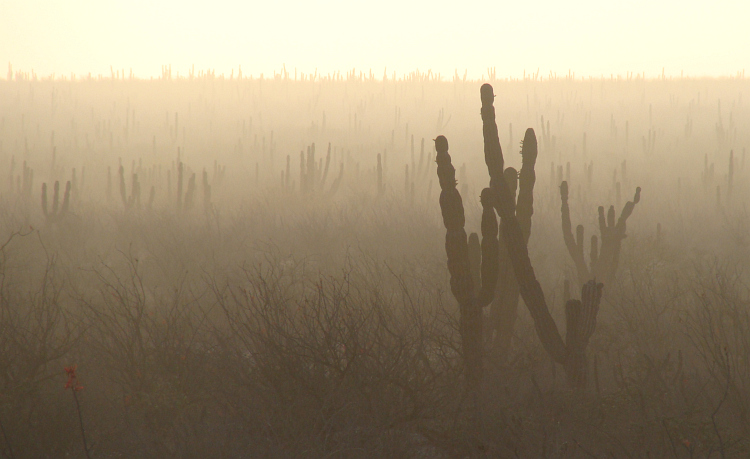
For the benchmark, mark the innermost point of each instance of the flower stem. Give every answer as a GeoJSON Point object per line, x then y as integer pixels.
{"type": "Point", "coordinates": [80, 420]}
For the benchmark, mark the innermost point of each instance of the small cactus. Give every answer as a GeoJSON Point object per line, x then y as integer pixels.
{"type": "Point", "coordinates": [57, 213]}
{"type": "Point", "coordinates": [134, 200]}
{"type": "Point", "coordinates": [604, 257]}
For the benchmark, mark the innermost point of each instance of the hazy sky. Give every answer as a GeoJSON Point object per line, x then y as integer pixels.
{"type": "Point", "coordinates": [588, 37]}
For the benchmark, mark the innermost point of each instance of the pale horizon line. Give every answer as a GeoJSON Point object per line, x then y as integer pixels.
{"type": "Point", "coordinates": [354, 74]}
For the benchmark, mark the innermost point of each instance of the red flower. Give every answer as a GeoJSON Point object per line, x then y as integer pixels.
{"type": "Point", "coordinates": [72, 382]}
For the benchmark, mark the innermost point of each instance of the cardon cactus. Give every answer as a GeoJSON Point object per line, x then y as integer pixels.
{"type": "Point", "coordinates": [604, 257]}
{"type": "Point", "coordinates": [135, 192]}
{"type": "Point", "coordinates": [512, 234]}
{"type": "Point", "coordinates": [57, 213]}
{"type": "Point", "coordinates": [471, 298]}
{"type": "Point", "coordinates": [500, 198]}
{"type": "Point", "coordinates": [504, 309]}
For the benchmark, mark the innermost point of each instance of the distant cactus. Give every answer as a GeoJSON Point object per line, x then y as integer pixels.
{"type": "Point", "coordinates": [207, 206]}
{"type": "Point", "coordinates": [180, 175]}
{"type": "Point", "coordinates": [190, 193]}
{"type": "Point", "coordinates": [325, 169]}
{"type": "Point", "coordinates": [27, 182]}
{"type": "Point", "coordinates": [381, 187]}
{"type": "Point", "coordinates": [57, 213]}
{"type": "Point", "coordinates": [604, 257]}
{"type": "Point", "coordinates": [134, 200]}
{"type": "Point", "coordinates": [24, 183]}
{"type": "Point", "coordinates": [313, 175]}
{"type": "Point", "coordinates": [186, 199]}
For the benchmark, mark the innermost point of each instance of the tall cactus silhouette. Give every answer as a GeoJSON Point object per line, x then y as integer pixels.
{"type": "Point", "coordinates": [500, 197]}
{"type": "Point", "coordinates": [518, 253]}
{"type": "Point", "coordinates": [504, 309]}
{"type": "Point", "coordinates": [470, 300]}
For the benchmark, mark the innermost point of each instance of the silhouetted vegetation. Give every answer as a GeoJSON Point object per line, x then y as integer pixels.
{"type": "Point", "coordinates": [202, 293]}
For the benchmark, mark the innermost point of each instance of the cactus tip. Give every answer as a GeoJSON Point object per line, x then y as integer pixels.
{"type": "Point", "coordinates": [486, 197]}
{"type": "Point", "coordinates": [441, 143]}
{"type": "Point", "coordinates": [487, 94]}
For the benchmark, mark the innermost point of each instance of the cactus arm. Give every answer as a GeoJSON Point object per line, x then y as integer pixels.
{"type": "Point", "coordinates": [452, 209]}
{"type": "Point", "coordinates": [66, 200]}
{"type": "Point", "coordinates": [619, 230]}
{"type": "Point", "coordinates": [325, 170]}
{"type": "Point", "coordinates": [493, 154]}
{"type": "Point", "coordinates": [531, 291]}
{"type": "Point", "coordinates": [627, 211]}
{"type": "Point", "coordinates": [527, 179]}
{"type": "Point", "coordinates": [594, 250]}
{"type": "Point", "coordinates": [573, 244]}
{"type": "Point", "coordinates": [612, 235]}
{"type": "Point", "coordinates": [180, 172]}
{"type": "Point", "coordinates": [490, 250]}
{"type": "Point", "coordinates": [457, 250]}
{"type": "Point", "coordinates": [56, 199]}
{"type": "Point", "coordinates": [602, 223]}
{"type": "Point", "coordinates": [123, 193]}
{"type": "Point", "coordinates": [44, 200]}
{"type": "Point", "coordinates": [504, 309]}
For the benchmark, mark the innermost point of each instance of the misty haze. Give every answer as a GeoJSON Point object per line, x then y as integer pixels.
{"type": "Point", "coordinates": [271, 261]}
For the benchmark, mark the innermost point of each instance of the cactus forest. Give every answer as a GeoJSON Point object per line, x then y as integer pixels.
{"type": "Point", "coordinates": [350, 266]}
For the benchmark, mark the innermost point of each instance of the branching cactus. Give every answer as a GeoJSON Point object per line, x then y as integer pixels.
{"type": "Point", "coordinates": [313, 175]}
{"type": "Point", "coordinates": [504, 309]}
{"type": "Point", "coordinates": [581, 316]}
{"type": "Point", "coordinates": [470, 296]}
{"type": "Point", "coordinates": [518, 253]}
{"type": "Point", "coordinates": [604, 257]}
{"type": "Point", "coordinates": [135, 191]}
{"type": "Point", "coordinates": [57, 213]}
{"type": "Point", "coordinates": [186, 199]}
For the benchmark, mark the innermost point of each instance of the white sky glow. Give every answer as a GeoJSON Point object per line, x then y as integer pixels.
{"type": "Point", "coordinates": [590, 38]}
